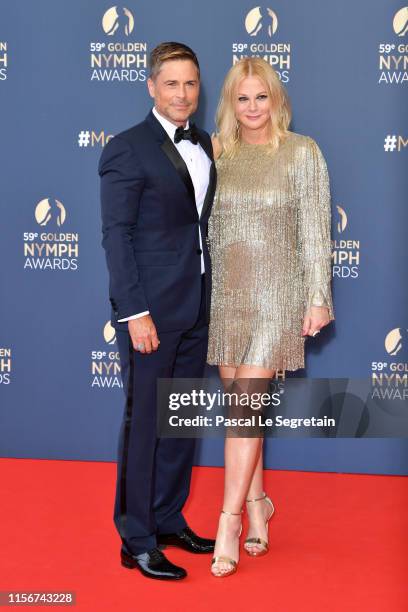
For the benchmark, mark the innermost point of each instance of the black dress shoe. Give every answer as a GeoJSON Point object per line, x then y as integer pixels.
{"type": "Point", "coordinates": [188, 540]}
{"type": "Point", "coordinates": [152, 564]}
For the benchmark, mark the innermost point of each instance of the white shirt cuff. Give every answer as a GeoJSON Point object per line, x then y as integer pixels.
{"type": "Point", "coordinates": [136, 316]}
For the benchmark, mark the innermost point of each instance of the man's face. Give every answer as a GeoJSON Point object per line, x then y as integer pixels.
{"type": "Point", "coordinates": [175, 90]}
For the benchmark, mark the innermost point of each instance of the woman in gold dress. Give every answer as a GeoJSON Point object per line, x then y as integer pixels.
{"type": "Point", "coordinates": [269, 239]}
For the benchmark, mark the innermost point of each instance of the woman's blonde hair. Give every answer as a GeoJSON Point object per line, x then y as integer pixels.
{"type": "Point", "coordinates": [228, 129]}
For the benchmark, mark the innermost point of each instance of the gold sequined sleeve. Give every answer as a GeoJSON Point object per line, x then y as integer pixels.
{"type": "Point", "coordinates": [314, 228]}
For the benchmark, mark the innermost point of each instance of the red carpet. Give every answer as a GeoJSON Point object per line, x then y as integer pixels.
{"type": "Point", "coordinates": [338, 542]}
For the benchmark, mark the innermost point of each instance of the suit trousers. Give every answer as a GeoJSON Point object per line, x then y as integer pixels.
{"type": "Point", "coordinates": [153, 474]}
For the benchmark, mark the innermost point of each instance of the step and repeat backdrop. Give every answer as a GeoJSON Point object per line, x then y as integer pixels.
{"type": "Point", "coordinates": [72, 75]}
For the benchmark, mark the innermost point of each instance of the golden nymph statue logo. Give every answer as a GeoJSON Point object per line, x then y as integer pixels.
{"type": "Point", "coordinates": [400, 21]}
{"type": "Point", "coordinates": [109, 333]}
{"type": "Point", "coordinates": [261, 19]}
{"type": "Point", "coordinates": [118, 20]}
{"type": "Point", "coordinates": [396, 340]}
{"type": "Point", "coordinates": [49, 209]}
{"type": "Point", "coordinates": [342, 220]}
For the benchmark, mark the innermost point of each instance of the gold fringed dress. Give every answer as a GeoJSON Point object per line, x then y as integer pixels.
{"type": "Point", "coordinates": [269, 240]}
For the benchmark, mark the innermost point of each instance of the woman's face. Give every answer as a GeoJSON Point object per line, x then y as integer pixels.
{"type": "Point", "coordinates": [252, 104]}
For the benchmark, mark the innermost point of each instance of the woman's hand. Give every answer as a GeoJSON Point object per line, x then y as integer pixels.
{"type": "Point", "coordinates": [316, 318]}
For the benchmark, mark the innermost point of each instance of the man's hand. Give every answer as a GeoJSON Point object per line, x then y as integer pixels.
{"type": "Point", "coordinates": [143, 331]}
{"type": "Point", "coordinates": [316, 318]}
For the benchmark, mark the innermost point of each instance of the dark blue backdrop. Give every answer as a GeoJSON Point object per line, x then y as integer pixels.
{"type": "Point", "coordinates": [344, 65]}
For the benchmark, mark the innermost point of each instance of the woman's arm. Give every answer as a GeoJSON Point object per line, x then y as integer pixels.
{"type": "Point", "coordinates": [217, 147]}
{"type": "Point", "coordinates": [314, 237]}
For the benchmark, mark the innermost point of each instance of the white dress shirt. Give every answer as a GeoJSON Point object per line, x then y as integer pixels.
{"type": "Point", "coordinates": [198, 165]}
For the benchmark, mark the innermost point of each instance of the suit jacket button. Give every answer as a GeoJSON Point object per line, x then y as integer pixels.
{"type": "Point", "coordinates": [199, 251]}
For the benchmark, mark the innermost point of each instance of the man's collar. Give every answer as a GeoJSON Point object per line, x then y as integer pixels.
{"type": "Point", "coordinates": [166, 124]}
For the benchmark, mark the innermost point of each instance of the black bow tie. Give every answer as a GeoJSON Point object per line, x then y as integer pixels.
{"type": "Point", "coordinates": [190, 134]}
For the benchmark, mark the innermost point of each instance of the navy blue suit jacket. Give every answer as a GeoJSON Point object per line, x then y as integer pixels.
{"type": "Point", "coordinates": [150, 227]}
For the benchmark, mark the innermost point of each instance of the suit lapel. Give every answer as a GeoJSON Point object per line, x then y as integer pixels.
{"type": "Point", "coordinates": [209, 196]}
{"type": "Point", "coordinates": [207, 146]}
{"type": "Point", "coordinates": [170, 150]}
{"type": "Point", "coordinates": [178, 162]}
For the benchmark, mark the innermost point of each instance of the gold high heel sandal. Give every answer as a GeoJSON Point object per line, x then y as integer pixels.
{"type": "Point", "coordinates": [231, 562]}
{"type": "Point", "coordinates": [258, 541]}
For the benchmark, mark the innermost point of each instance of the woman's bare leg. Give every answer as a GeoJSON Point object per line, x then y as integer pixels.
{"type": "Point", "coordinates": [242, 458]}
{"type": "Point", "coordinates": [259, 511]}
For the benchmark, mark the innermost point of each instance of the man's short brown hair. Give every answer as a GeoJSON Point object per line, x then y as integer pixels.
{"type": "Point", "coordinates": [170, 51]}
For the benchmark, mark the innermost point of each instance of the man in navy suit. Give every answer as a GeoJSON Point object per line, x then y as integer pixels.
{"type": "Point", "coordinates": [157, 186]}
